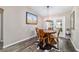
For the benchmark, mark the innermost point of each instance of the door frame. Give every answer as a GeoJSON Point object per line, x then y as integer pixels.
{"type": "Point", "coordinates": [1, 12]}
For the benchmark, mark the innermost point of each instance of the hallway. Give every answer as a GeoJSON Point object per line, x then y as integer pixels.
{"type": "Point", "coordinates": [64, 44]}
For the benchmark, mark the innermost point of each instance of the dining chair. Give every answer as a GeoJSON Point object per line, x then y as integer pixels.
{"type": "Point", "coordinates": [54, 39]}
{"type": "Point", "coordinates": [37, 32]}
{"type": "Point", "coordinates": [40, 34]}
{"type": "Point", "coordinates": [41, 37]}
{"type": "Point", "coordinates": [57, 37]}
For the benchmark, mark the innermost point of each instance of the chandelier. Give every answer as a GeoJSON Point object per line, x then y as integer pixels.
{"type": "Point", "coordinates": [48, 12]}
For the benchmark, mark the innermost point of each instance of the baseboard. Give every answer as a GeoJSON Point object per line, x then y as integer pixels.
{"type": "Point", "coordinates": [74, 46]}
{"type": "Point", "coordinates": [19, 41]}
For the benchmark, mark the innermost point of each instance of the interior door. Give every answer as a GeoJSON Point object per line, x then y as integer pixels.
{"type": "Point", "coordinates": [0, 27]}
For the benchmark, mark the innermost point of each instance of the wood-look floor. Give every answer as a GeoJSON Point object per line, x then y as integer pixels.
{"type": "Point", "coordinates": [1, 45]}
{"type": "Point", "coordinates": [65, 45]}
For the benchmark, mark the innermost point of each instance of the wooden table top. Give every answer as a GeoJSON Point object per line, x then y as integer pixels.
{"type": "Point", "coordinates": [50, 31]}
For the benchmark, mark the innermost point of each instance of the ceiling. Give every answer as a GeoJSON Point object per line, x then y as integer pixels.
{"type": "Point", "coordinates": [52, 10]}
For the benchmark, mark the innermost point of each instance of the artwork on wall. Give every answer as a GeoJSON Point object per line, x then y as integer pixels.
{"type": "Point", "coordinates": [31, 18]}
{"type": "Point", "coordinates": [72, 20]}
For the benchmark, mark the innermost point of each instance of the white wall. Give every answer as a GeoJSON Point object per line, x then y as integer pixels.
{"type": "Point", "coordinates": [15, 27]}
{"type": "Point", "coordinates": [75, 32]}
{"type": "Point", "coordinates": [40, 23]}
{"type": "Point", "coordinates": [67, 21]}
{"type": "Point", "coordinates": [0, 26]}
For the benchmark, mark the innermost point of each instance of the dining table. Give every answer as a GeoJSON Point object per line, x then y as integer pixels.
{"type": "Point", "coordinates": [50, 31]}
{"type": "Point", "coordinates": [49, 41]}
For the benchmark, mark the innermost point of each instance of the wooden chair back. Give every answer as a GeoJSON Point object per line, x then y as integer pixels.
{"type": "Point", "coordinates": [37, 32]}
{"type": "Point", "coordinates": [54, 38]}
{"type": "Point", "coordinates": [58, 32]}
{"type": "Point", "coordinates": [41, 36]}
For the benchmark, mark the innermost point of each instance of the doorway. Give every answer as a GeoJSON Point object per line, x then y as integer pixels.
{"type": "Point", "coordinates": [1, 28]}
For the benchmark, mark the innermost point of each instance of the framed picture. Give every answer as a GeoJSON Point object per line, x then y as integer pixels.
{"type": "Point", "coordinates": [72, 20]}
{"type": "Point", "coordinates": [31, 18]}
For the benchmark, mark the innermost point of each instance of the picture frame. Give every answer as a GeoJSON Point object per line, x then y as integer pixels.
{"type": "Point", "coordinates": [31, 18]}
{"type": "Point", "coordinates": [72, 20]}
